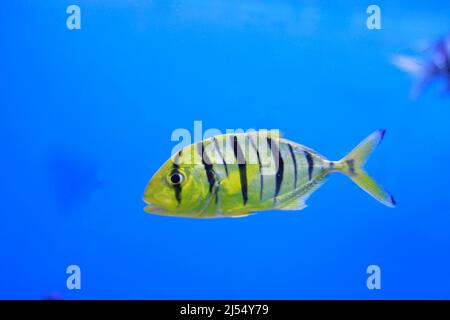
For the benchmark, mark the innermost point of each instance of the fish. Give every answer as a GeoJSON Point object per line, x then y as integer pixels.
{"type": "Point", "coordinates": [235, 175]}
{"type": "Point", "coordinates": [436, 65]}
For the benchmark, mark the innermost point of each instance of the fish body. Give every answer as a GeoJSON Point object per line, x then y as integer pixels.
{"type": "Point", "coordinates": [234, 175]}
{"type": "Point", "coordinates": [426, 70]}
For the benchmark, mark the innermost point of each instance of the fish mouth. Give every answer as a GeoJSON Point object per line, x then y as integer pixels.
{"type": "Point", "coordinates": [151, 208]}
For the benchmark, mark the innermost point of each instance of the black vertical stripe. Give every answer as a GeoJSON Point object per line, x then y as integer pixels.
{"type": "Point", "coordinates": [242, 167]}
{"type": "Point", "coordinates": [176, 159]}
{"type": "Point", "coordinates": [351, 166]}
{"type": "Point", "coordinates": [177, 187]}
{"type": "Point", "coordinates": [209, 170]}
{"type": "Point", "coordinates": [280, 167]}
{"type": "Point", "coordinates": [310, 161]}
{"type": "Point", "coordinates": [216, 144]}
{"type": "Point", "coordinates": [294, 160]}
{"type": "Point", "coordinates": [217, 192]}
{"type": "Point", "coordinates": [261, 177]}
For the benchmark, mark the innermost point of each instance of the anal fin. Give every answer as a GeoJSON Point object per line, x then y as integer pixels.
{"type": "Point", "coordinates": [240, 215]}
{"type": "Point", "coordinates": [293, 204]}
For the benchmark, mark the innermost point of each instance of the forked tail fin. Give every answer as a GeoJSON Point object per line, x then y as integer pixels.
{"type": "Point", "coordinates": [352, 166]}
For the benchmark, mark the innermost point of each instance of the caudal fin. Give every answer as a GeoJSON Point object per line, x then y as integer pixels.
{"type": "Point", "coordinates": [352, 166]}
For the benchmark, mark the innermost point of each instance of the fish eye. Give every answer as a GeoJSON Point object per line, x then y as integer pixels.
{"type": "Point", "coordinates": [175, 178]}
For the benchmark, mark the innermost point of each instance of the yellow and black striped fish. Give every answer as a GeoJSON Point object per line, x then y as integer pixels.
{"type": "Point", "coordinates": [234, 175]}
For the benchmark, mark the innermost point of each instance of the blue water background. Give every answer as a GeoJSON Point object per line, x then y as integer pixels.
{"type": "Point", "coordinates": [86, 118]}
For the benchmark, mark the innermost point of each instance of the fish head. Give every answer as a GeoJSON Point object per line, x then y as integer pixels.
{"type": "Point", "coordinates": [177, 190]}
